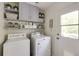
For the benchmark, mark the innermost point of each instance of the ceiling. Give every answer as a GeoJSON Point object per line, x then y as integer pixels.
{"type": "Point", "coordinates": [42, 5]}
{"type": "Point", "coordinates": [45, 5]}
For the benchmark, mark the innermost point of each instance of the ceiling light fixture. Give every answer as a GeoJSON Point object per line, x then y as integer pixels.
{"type": "Point", "coordinates": [36, 2]}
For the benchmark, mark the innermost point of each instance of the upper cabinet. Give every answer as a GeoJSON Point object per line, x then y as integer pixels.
{"type": "Point", "coordinates": [24, 11]}
{"type": "Point", "coordinates": [34, 11]}
{"type": "Point", "coordinates": [29, 12]}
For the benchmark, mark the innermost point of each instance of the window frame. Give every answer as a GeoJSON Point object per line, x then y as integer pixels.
{"type": "Point", "coordinates": [70, 25]}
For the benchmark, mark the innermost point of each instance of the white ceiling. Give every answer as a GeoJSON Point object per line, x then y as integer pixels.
{"type": "Point", "coordinates": [45, 5]}
{"type": "Point", "coordinates": [42, 5]}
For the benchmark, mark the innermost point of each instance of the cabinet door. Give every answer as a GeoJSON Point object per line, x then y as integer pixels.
{"type": "Point", "coordinates": [34, 13]}
{"type": "Point", "coordinates": [23, 11]}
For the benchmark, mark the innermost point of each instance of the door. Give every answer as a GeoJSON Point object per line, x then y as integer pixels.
{"type": "Point", "coordinates": [24, 11]}
{"type": "Point", "coordinates": [66, 34]}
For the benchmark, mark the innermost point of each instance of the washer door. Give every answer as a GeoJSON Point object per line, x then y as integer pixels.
{"type": "Point", "coordinates": [17, 48]}
{"type": "Point", "coordinates": [43, 47]}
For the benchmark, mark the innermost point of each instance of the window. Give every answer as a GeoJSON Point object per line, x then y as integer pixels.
{"type": "Point", "coordinates": [69, 25]}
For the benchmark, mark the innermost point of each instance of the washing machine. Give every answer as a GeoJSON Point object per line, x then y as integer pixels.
{"type": "Point", "coordinates": [40, 45]}
{"type": "Point", "coordinates": [17, 45]}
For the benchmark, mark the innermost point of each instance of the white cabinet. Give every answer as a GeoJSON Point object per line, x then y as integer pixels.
{"type": "Point", "coordinates": [34, 13]}
{"type": "Point", "coordinates": [29, 12]}
{"type": "Point", "coordinates": [24, 11]}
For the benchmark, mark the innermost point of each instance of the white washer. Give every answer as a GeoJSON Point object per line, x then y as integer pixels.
{"type": "Point", "coordinates": [40, 45]}
{"type": "Point", "coordinates": [17, 45]}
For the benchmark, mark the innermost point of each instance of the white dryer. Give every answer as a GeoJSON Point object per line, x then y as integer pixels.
{"type": "Point", "coordinates": [17, 45]}
{"type": "Point", "coordinates": [40, 45]}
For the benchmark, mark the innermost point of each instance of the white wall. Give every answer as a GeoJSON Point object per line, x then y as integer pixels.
{"type": "Point", "coordinates": [63, 46]}
{"type": "Point", "coordinates": [2, 31]}
{"type": "Point", "coordinates": [1, 22]}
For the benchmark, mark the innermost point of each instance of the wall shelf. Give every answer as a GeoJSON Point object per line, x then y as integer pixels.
{"type": "Point", "coordinates": [11, 11]}
{"type": "Point", "coordinates": [22, 23]}
{"type": "Point", "coordinates": [22, 20]}
{"type": "Point", "coordinates": [24, 29]}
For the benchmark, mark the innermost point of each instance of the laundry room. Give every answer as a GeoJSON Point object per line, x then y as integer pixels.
{"type": "Point", "coordinates": [23, 27]}
{"type": "Point", "coordinates": [39, 28]}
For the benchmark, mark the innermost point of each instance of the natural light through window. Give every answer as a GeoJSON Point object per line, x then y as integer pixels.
{"type": "Point", "coordinates": [69, 25]}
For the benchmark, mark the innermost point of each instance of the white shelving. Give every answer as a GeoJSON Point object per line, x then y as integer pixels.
{"type": "Point", "coordinates": [22, 20]}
